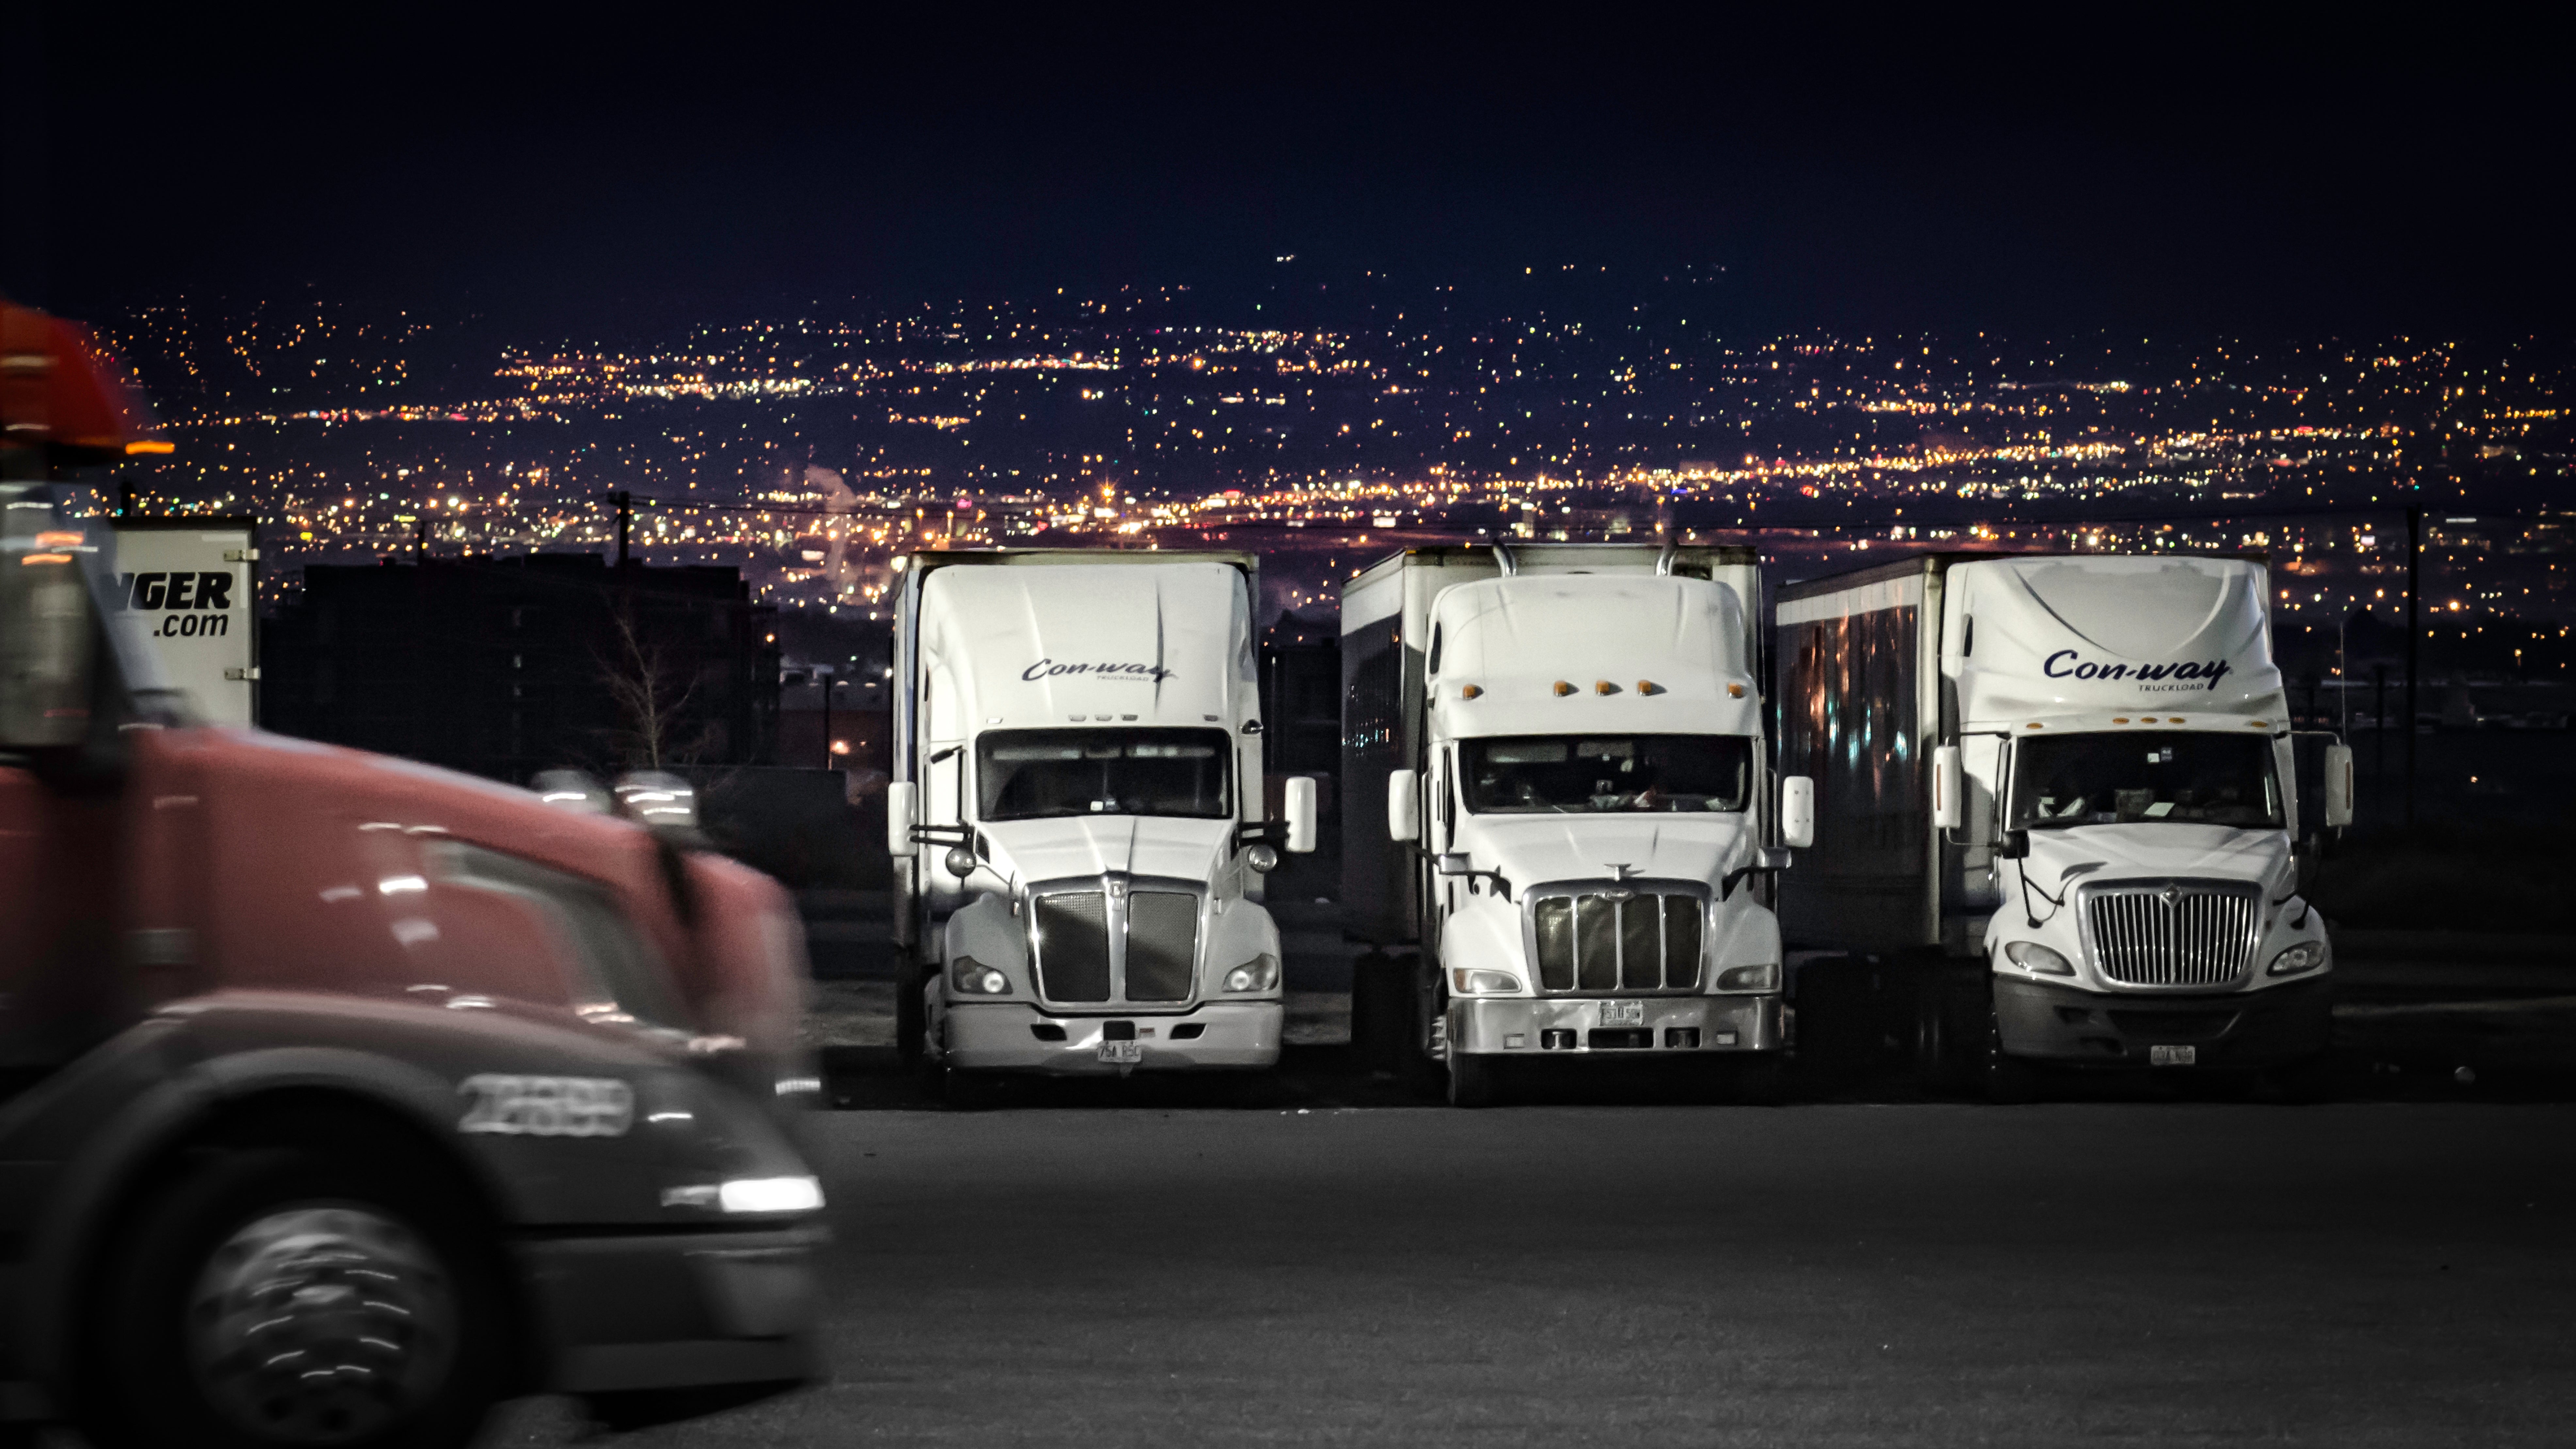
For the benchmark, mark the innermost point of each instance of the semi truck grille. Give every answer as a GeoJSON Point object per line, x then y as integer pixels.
{"type": "Point", "coordinates": [1077, 959]}
{"type": "Point", "coordinates": [1618, 941]}
{"type": "Point", "coordinates": [1162, 945]}
{"type": "Point", "coordinates": [2172, 933]}
{"type": "Point", "coordinates": [1073, 946]}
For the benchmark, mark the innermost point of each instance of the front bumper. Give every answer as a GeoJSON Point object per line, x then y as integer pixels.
{"type": "Point", "coordinates": [1572, 1026]}
{"type": "Point", "coordinates": [1005, 1036]}
{"type": "Point", "coordinates": [2270, 1027]}
{"type": "Point", "coordinates": [674, 1310]}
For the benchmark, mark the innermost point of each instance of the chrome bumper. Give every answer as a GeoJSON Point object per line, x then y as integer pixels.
{"type": "Point", "coordinates": [1003, 1036]}
{"type": "Point", "coordinates": [1559, 1025]}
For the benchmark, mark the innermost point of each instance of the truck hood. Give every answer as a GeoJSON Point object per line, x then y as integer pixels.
{"type": "Point", "coordinates": [1529, 849]}
{"type": "Point", "coordinates": [2129, 852]}
{"type": "Point", "coordinates": [1146, 845]}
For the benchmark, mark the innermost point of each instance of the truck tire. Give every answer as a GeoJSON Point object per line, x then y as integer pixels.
{"type": "Point", "coordinates": [2303, 1083]}
{"type": "Point", "coordinates": [1761, 1080]}
{"type": "Point", "coordinates": [1946, 1045]}
{"type": "Point", "coordinates": [910, 1016]}
{"type": "Point", "coordinates": [1471, 1081]}
{"type": "Point", "coordinates": [2009, 1081]}
{"type": "Point", "coordinates": [232, 1286]}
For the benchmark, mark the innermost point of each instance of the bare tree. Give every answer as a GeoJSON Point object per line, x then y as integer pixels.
{"type": "Point", "coordinates": [652, 698]}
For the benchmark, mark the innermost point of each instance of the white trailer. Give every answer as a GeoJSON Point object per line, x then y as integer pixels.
{"type": "Point", "coordinates": [1077, 737]}
{"type": "Point", "coordinates": [1555, 823]}
{"type": "Point", "coordinates": [2064, 787]}
{"type": "Point", "coordinates": [193, 585]}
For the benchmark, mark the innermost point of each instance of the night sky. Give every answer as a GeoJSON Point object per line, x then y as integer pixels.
{"type": "Point", "coordinates": [2341, 173]}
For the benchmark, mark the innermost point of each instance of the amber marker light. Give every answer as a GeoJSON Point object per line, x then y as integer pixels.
{"type": "Point", "coordinates": [1735, 691]}
{"type": "Point", "coordinates": [2258, 724]}
{"type": "Point", "coordinates": [1647, 686]}
{"type": "Point", "coordinates": [2119, 719]}
{"type": "Point", "coordinates": [44, 558]}
{"type": "Point", "coordinates": [1563, 689]}
{"type": "Point", "coordinates": [149, 445]}
{"type": "Point", "coordinates": [1603, 686]}
{"type": "Point", "coordinates": [1471, 691]}
{"type": "Point", "coordinates": [55, 538]}
{"type": "Point", "coordinates": [2034, 724]}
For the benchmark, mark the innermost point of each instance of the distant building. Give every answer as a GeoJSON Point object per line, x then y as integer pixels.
{"type": "Point", "coordinates": [504, 667]}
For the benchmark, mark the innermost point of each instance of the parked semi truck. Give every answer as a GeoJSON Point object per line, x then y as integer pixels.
{"type": "Point", "coordinates": [341, 1097]}
{"type": "Point", "coordinates": [1557, 823]}
{"type": "Point", "coordinates": [1077, 742]}
{"type": "Point", "coordinates": [2063, 789]}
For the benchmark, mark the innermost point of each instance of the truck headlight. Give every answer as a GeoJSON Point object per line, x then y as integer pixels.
{"type": "Point", "coordinates": [2305, 956]}
{"type": "Point", "coordinates": [1468, 981]}
{"type": "Point", "coordinates": [971, 977]}
{"type": "Point", "coordinates": [1764, 977]}
{"type": "Point", "coordinates": [2034, 957]}
{"type": "Point", "coordinates": [1261, 973]}
{"type": "Point", "coordinates": [750, 1195]}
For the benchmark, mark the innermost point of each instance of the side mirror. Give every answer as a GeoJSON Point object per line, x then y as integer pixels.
{"type": "Point", "coordinates": [899, 820]}
{"type": "Point", "coordinates": [2015, 846]}
{"type": "Point", "coordinates": [2339, 786]}
{"type": "Point", "coordinates": [1261, 858]}
{"type": "Point", "coordinates": [1403, 806]}
{"type": "Point", "coordinates": [1797, 811]}
{"type": "Point", "coordinates": [45, 624]}
{"type": "Point", "coordinates": [1453, 862]}
{"type": "Point", "coordinates": [1949, 803]}
{"type": "Point", "coordinates": [960, 861]}
{"type": "Point", "coordinates": [1298, 800]}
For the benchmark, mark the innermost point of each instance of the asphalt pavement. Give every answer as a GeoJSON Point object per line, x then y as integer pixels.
{"type": "Point", "coordinates": [2127, 1272]}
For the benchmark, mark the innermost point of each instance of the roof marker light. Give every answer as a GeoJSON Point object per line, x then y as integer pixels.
{"type": "Point", "coordinates": [1563, 689]}
{"type": "Point", "coordinates": [2119, 719]}
{"type": "Point", "coordinates": [2034, 724]}
{"type": "Point", "coordinates": [1470, 691]}
{"type": "Point", "coordinates": [1647, 686]}
{"type": "Point", "coordinates": [1603, 686]}
{"type": "Point", "coordinates": [2256, 724]}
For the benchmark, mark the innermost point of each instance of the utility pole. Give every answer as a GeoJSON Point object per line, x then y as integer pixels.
{"type": "Point", "coordinates": [829, 682]}
{"type": "Point", "coordinates": [2379, 712]}
{"type": "Point", "coordinates": [625, 522]}
{"type": "Point", "coordinates": [2414, 647]}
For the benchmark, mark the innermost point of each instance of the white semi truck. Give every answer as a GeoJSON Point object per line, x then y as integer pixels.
{"type": "Point", "coordinates": [1557, 831]}
{"type": "Point", "coordinates": [2063, 788]}
{"type": "Point", "coordinates": [1077, 741]}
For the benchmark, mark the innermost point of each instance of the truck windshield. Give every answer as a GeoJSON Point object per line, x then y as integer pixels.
{"type": "Point", "coordinates": [2202, 779]}
{"type": "Point", "coordinates": [1043, 774]}
{"type": "Point", "coordinates": [1533, 774]}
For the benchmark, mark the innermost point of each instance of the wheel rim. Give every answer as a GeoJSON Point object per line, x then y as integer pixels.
{"type": "Point", "coordinates": [321, 1324]}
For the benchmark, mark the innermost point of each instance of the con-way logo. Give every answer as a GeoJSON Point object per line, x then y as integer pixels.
{"type": "Point", "coordinates": [2067, 664]}
{"type": "Point", "coordinates": [1049, 669]}
{"type": "Point", "coordinates": [197, 605]}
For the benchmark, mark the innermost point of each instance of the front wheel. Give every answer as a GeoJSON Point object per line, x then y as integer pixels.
{"type": "Point", "coordinates": [1471, 1080]}
{"type": "Point", "coordinates": [2009, 1081]}
{"type": "Point", "coordinates": [911, 1016]}
{"type": "Point", "coordinates": [291, 1297]}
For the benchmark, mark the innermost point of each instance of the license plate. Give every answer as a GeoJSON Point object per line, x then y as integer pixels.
{"type": "Point", "coordinates": [1123, 1053]}
{"type": "Point", "coordinates": [2173, 1056]}
{"type": "Point", "coordinates": [1623, 1013]}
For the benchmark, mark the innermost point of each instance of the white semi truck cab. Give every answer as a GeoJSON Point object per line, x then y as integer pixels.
{"type": "Point", "coordinates": [1076, 819]}
{"type": "Point", "coordinates": [1557, 810]}
{"type": "Point", "coordinates": [2065, 785]}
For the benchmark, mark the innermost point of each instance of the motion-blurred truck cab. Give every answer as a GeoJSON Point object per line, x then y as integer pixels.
{"type": "Point", "coordinates": [342, 1097]}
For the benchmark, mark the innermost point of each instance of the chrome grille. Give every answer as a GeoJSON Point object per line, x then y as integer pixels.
{"type": "Point", "coordinates": [2172, 933]}
{"type": "Point", "coordinates": [1073, 946]}
{"type": "Point", "coordinates": [1613, 940]}
{"type": "Point", "coordinates": [1162, 945]}
{"type": "Point", "coordinates": [1128, 944]}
